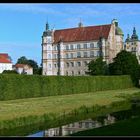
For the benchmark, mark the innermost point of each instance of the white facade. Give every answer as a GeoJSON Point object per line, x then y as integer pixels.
{"type": "Point", "coordinates": [5, 66]}
{"type": "Point", "coordinates": [24, 69]}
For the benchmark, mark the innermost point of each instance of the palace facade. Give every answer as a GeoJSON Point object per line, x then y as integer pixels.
{"type": "Point", "coordinates": [68, 51]}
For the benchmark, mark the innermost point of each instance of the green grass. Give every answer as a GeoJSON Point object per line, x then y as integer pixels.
{"type": "Point", "coordinates": [130, 127]}
{"type": "Point", "coordinates": [58, 104]}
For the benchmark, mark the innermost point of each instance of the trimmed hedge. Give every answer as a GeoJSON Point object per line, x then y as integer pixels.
{"type": "Point", "coordinates": [28, 86]}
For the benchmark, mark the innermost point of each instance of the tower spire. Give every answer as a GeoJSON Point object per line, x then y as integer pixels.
{"type": "Point", "coordinates": [80, 24]}
{"type": "Point", "coordinates": [134, 35]}
{"type": "Point", "coordinates": [47, 26]}
{"type": "Point", "coordinates": [134, 31]}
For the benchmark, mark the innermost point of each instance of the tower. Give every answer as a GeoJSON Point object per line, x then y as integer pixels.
{"type": "Point", "coordinates": [133, 44]}
{"type": "Point", "coordinates": [47, 39]}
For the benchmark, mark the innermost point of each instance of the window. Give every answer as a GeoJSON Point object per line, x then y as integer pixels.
{"type": "Point", "coordinates": [85, 63]}
{"type": "Point", "coordinates": [80, 124]}
{"type": "Point", "coordinates": [71, 55]}
{"type": "Point", "coordinates": [55, 56]}
{"type": "Point", "coordinates": [78, 72]}
{"type": "Point", "coordinates": [79, 64]}
{"type": "Point", "coordinates": [71, 47]}
{"type": "Point", "coordinates": [67, 47]}
{"type": "Point", "coordinates": [98, 53]}
{"type": "Point", "coordinates": [49, 48]}
{"type": "Point", "coordinates": [72, 64]}
{"type": "Point", "coordinates": [49, 56]}
{"type": "Point", "coordinates": [72, 72]}
{"type": "Point", "coordinates": [78, 46]}
{"type": "Point", "coordinates": [73, 124]}
{"type": "Point", "coordinates": [67, 56]}
{"type": "Point", "coordinates": [93, 124]}
{"type": "Point", "coordinates": [86, 124]}
{"type": "Point", "coordinates": [85, 46]}
{"type": "Point", "coordinates": [66, 73]}
{"type": "Point", "coordinates": [91, 45]}
{"type": "Point", "coordinates": [49, 65]}
{"type": "Point", "coordinates": [55, 65]}
{"type": "Point", "coordinates": [91, 53]}
{"type": "Point", "coordinates": [67, 64]}
{"type": "Point", "coordinates": [78, 54]}
{"type": "Point", "coordinates": [85, 54]}
{"type": "Point", "coordinates": [55, 48]}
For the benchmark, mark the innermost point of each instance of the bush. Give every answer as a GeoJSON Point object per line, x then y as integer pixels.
{"type": "Point", "coordinates": [29, 86]}
{"type": "Point", "coordinates": [9, 72]}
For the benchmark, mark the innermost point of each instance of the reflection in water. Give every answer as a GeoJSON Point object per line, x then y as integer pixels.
{"type": "Point", "coordinates": [78, 126]}
{"type": "Point", "coordinates": [39, 134]}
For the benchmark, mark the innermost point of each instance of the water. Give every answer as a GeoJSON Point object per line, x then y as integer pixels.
{"type": "Point", "coordinates": [39, 134]}
{"type": "Point", "coordinates": [71, 128]}
{"type": "Point", "coordinates": [68, 129]}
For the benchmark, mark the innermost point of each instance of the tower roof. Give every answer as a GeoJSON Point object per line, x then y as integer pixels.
{"type": "Point", "coordinates": [119, 31]}
{"type": "Point", "coordinates": [134, 35]}
{"type": "Point", "coordinates": [128, 38]}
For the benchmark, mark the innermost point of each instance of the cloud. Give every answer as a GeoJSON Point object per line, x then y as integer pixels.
{"type": "Point", "coordinates": [32, 8]}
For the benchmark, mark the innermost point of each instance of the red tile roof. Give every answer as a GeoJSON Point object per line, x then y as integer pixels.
{"type": "Point", "coordinates": [82, 33]}
{"type": "Point", "coordinates": [22, 65]}
{"type": "Point", "coordinates": [4, 58]}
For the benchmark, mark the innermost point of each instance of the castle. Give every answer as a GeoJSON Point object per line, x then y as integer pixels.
{"type": "Point", "coordinates": [132, 44]}
{"type": "Point", "coordinates": [68, 51]}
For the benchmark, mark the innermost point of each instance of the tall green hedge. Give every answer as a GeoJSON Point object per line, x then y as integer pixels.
{"type": "Point", "coordinates": [27, 86]}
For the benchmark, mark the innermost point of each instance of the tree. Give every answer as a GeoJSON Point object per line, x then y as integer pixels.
{"type": "Point", "coordinates": [125, 63]}
{"type": "Point", "coordinates": [22, 60]}
{"type": "Point", "coordinates": [97, 67]}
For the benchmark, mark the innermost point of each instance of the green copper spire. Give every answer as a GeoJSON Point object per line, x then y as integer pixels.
{"type": "Point", "coordinates": [128, 38]}
{"type": "Point", "coordinates": [134, 31]}
{"type": "Point", "coordinates": [47, 26]}
{"type": "Point", "coordinates": [134, 35]}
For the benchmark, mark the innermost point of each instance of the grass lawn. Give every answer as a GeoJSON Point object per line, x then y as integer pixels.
{"type": "Point", "coordinates": [130, 127]}
{"type": "Point", "coordinates": [37, 106]}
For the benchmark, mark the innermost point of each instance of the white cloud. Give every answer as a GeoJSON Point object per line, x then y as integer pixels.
{"type": "Point", "coordinates": [32, 8]}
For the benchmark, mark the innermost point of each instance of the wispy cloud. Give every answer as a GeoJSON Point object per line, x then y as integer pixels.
{"type": "Point", "coordinates": [32, 8]}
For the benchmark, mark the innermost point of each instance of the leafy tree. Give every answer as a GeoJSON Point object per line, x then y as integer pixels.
{"type": "Point", "coordinates": [125, 63]}
{"type": "Point", "coordinates": [22, 60]}
{"type": "Point", "coordinates": [97, 67]}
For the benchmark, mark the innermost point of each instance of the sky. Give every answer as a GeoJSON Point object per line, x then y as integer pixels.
{"type": "Point", "coordinates": [22, 24]}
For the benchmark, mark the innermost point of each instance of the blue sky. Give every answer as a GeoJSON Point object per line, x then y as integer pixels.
{"type": "Point", "coordinates": [22, 25]}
